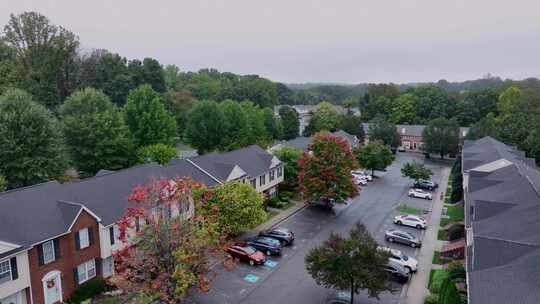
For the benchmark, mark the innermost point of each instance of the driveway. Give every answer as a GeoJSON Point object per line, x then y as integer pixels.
{"type": "Point", "coordinates": [285, 280]}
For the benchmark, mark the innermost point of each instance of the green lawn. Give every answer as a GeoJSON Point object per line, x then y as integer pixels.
{"type": "Point", "coordinates": [410, 210]}
{"type": "Point", "coordinates": [436, 277]}
{"type": "Point", "coordinates": [436, 257]}
{"type": "Point", "coordinates": [456, 214]}
{"type": "Point", "coordinates": [442, 235]}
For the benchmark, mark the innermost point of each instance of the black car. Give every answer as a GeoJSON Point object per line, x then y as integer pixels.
{"type": "Point", "coordinates": [425, 184]}
{"type": "Point", "coordinates": [268, 246]}
{"type": "Point", "coordinates": [284, 235]}
{"type": "Point", "coordinates": [396, 273]}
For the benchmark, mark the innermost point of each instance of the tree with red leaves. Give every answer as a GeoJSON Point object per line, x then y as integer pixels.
{"type": "Point", "coordinates": [325, 172]}
{"type": "Point", "coordinates": [167, 236]}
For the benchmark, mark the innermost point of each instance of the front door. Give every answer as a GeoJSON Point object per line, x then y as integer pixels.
{"type": "Point", "coordinates": [52, 286]}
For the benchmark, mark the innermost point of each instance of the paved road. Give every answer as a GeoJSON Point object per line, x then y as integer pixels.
{"type": "Point", "coordinates": [285, 280]}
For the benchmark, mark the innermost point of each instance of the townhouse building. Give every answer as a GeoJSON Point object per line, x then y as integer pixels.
{"type": "Point", "coordinates": [302, 142]}
{"type": "Point", "coordinates": [54, 237]}
{"type": "Point", "coordinates": [411, 136]}
{"type": "Point", "coordinates": [502, 220]}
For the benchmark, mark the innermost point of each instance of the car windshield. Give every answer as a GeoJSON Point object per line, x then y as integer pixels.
{"type": "Point", "coordinates": [404, 257]}
{"type": "Point", "coordinates": [268, 241]}
{"type": "Point", "coordinates": [249, 250]}
{"type": "Point", "coordinates": [408, 235]}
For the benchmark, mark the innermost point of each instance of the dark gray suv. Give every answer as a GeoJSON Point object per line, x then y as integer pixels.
{"type": "Point", "coordinates": [403, 237]}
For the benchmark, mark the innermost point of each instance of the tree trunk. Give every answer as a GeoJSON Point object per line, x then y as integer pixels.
{"type": "Point", "coordinates": [442, 155]}
{"type": "Point", "coordinates": [352, 291]}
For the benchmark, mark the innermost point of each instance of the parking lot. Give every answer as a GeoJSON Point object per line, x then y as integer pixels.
{"type": "Point", "coordinates": [284, 279]}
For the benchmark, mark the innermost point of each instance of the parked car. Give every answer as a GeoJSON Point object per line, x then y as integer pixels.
{"type": "Point", "coordinates": [403, 237]}
{"type": "Point", "coordinates": [360, 180]}
{"type": "Point", "coordinates": [411, 220]}
{"type": "Point", "coordinates": [401, 149]}
{"type": "Point", "coordinates": [339, 297]}
{"type": "Point", "coordinates": [362, 174]}
{"type": "Point", "coordinates": [324, 203]}
{"type": "Point", "coordinates": [425, 184]}
{"type": "Point", "coordinates": [419, 193]}
{"type": "Point", "coordinates": [267, 245]}
{"type": "Point", "coordinates": [396, 256]}
{"type": "Point", "coordinates": [284, 235]}
{"type": "Point", "coordinates": [247, 254]}
{"type": "Point", "coordinates": [397, 272]}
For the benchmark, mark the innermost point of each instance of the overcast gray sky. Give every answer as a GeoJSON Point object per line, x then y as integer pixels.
{"type": "Point", "coordinates": [312, 41]}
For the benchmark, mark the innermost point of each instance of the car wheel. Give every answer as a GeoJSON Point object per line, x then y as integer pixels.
{"type": "Point", "coordinates": [268, 252]}
{"type": "Point", "coordinates": [418, 227]}
{"type": "Point", "coordinates": [413, 245]}
{"type": "Point", "coordinates": [251, 262]}
{"type": "Point", "coordinates": [409, 269]}
{"type": "Point", "coordinates": [391, 240]}
{"type": "Point", "coordinates": [399, 223]}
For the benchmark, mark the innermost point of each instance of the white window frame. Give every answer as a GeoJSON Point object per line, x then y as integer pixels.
{"type": "Point", "coordinates": [272, 174]}
{"type": "Point", "coordinates": [43, 246]}
{"type": "Point", "coordinates": [84, 242]}
{"type": "Point", "coordinates": [8, 262]}
{"type": "Point", "coordinates": [83, 270]}
{"type": "Point", "coordinates": [108, 266]}
{"type": "Point", "coordinates": [262, 180]}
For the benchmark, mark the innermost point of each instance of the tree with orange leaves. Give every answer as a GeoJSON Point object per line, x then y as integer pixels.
{"type": "Point", "coordinates": [167, 237]}
{"type": "Point", "coordinates": [325, 172]}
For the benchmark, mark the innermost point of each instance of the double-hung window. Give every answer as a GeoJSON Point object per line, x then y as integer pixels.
{"type": "Point", "coordinates": [5, 271]}
{"type": "Point", "coordinates": [86, 271]}
{"type": "Point", "coordinates": [48, 252]}
{"type": "Point", "coordinates": [84, 238]}
{"type": "Point", "coordinates": [272, 174]}
{"type": "Point", "coordinates": [253, 182]}
{"type": "Point", "coordinates": [262, 179]}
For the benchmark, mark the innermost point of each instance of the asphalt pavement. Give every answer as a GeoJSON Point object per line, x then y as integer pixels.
{"type": "Point", "coordinates": [284, 279]}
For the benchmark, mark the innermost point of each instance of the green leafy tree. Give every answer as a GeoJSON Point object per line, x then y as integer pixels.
{"type": "Point", "coordinates": [433, 102]}
{"type": "Point", "coordinates": [416, 171]}
{"type": "Point", "coordinates": [487, 126]}
{"type": "Point", "coordinates": [290, 121]}
{"type": "Point", "coordinates": [290, 157]}
{"type": "Point", "coordinates": [441, 136]}
{"type": "Point", "coordinates": [375, 156]}
{"type": "Point", "coordinates": [45, 55]}
{"type": "Point", "coordinates": [380, 129]}
{"type": "Point", "coordinates": [8, 67]}
{"type": "Point", "coordinates": [532, 143]}
{"type": "Point", "coordinates": [476, 105]}
{"type": "Point", "coordinates": [353, 263]}
{"type": "Point", "coordinates": [239, 206]}
{"type": "Point", "coordinates": [147, 119]}
{"type": "Point", "coordinates": [257, 131]}
{"type": "Point", "coordinates": [352, 124]}
{"type": "Point", "coordinates": [3, 183]}
{"type": "Point", "coordinates": [325, 118]}
{"type": "Point", "coordinates": [96, 134]}
{"type": "Point", "coordinates": [273, 126]}
{"type": "Point", "coordinates": [149, 71]}
{"type": "Point", "coordinates": [325, 173]}
{"type": "Point", "coordinates": [236, 132]}
{"type": "Point", "coordinates": [449, 293]}
{"type": "Point", "coordinates": [158, 153]}
{"type": "Point", "coordinates": [32, 148]}
{"type": "Point", "coordinates": [205, 128]}
{"type": "Point", "coordinates": [179, 103]}
{"type": "Point", "coordinates": [404, 110]}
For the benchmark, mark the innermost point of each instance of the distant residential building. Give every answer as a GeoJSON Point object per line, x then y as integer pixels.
{"type": "Point", "coordinates": [54, 237]}
{"type": "Point", "coordinates": [302, 142]}
{"type": "Point", "coordinates": [502, 218]}
{"type": "Point", "coordinates": [411, 136]}
{"type": "Point", "coordinates": [251, 165]}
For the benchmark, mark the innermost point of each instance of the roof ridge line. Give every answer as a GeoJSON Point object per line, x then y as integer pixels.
{"type": "Point", "coordinates": [508, 241]}
{"type": "Point", "coordinates": [203, 171]}
{"type": "Point", "coordinates": [29, 187]}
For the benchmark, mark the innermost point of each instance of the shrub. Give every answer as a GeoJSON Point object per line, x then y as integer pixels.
{"type": "Point", "coordinates": [158, 153]}
{"type": "Point", "coordinates": [437, 279]}
{"type": "Point", "coordinates": [274, 202]}
{"type": "Point", "coordinates": [431, 299]}
{"type": "Point", "coordinates": [286, 195]}
{"type": "Point", "coordinates": [456, 232]}
{"type": "Point", "coordinates": [89, 290]}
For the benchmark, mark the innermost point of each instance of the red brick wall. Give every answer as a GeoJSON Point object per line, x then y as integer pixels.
{"type": "Point", "coordinates": [70, 258]}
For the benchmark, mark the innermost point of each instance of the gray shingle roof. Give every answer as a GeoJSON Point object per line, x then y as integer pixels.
{"type": "Point", "coordinates": [30, 215]}
{"type": "Point", "coordinates": [412, 130]}
{"type": "Point", "coordinates": [254, 160]}
{"type": "Point", "coordinates": [502, 263]}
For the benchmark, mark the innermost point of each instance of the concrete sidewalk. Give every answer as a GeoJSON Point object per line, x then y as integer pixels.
{"type": "Point", "coordinates": [417, 289]}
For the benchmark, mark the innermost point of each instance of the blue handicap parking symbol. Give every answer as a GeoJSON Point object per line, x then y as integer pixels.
{"type": "Point", "coordinates": [270, 263]}
{"type": "Point", "coordinates": [251, 278]}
